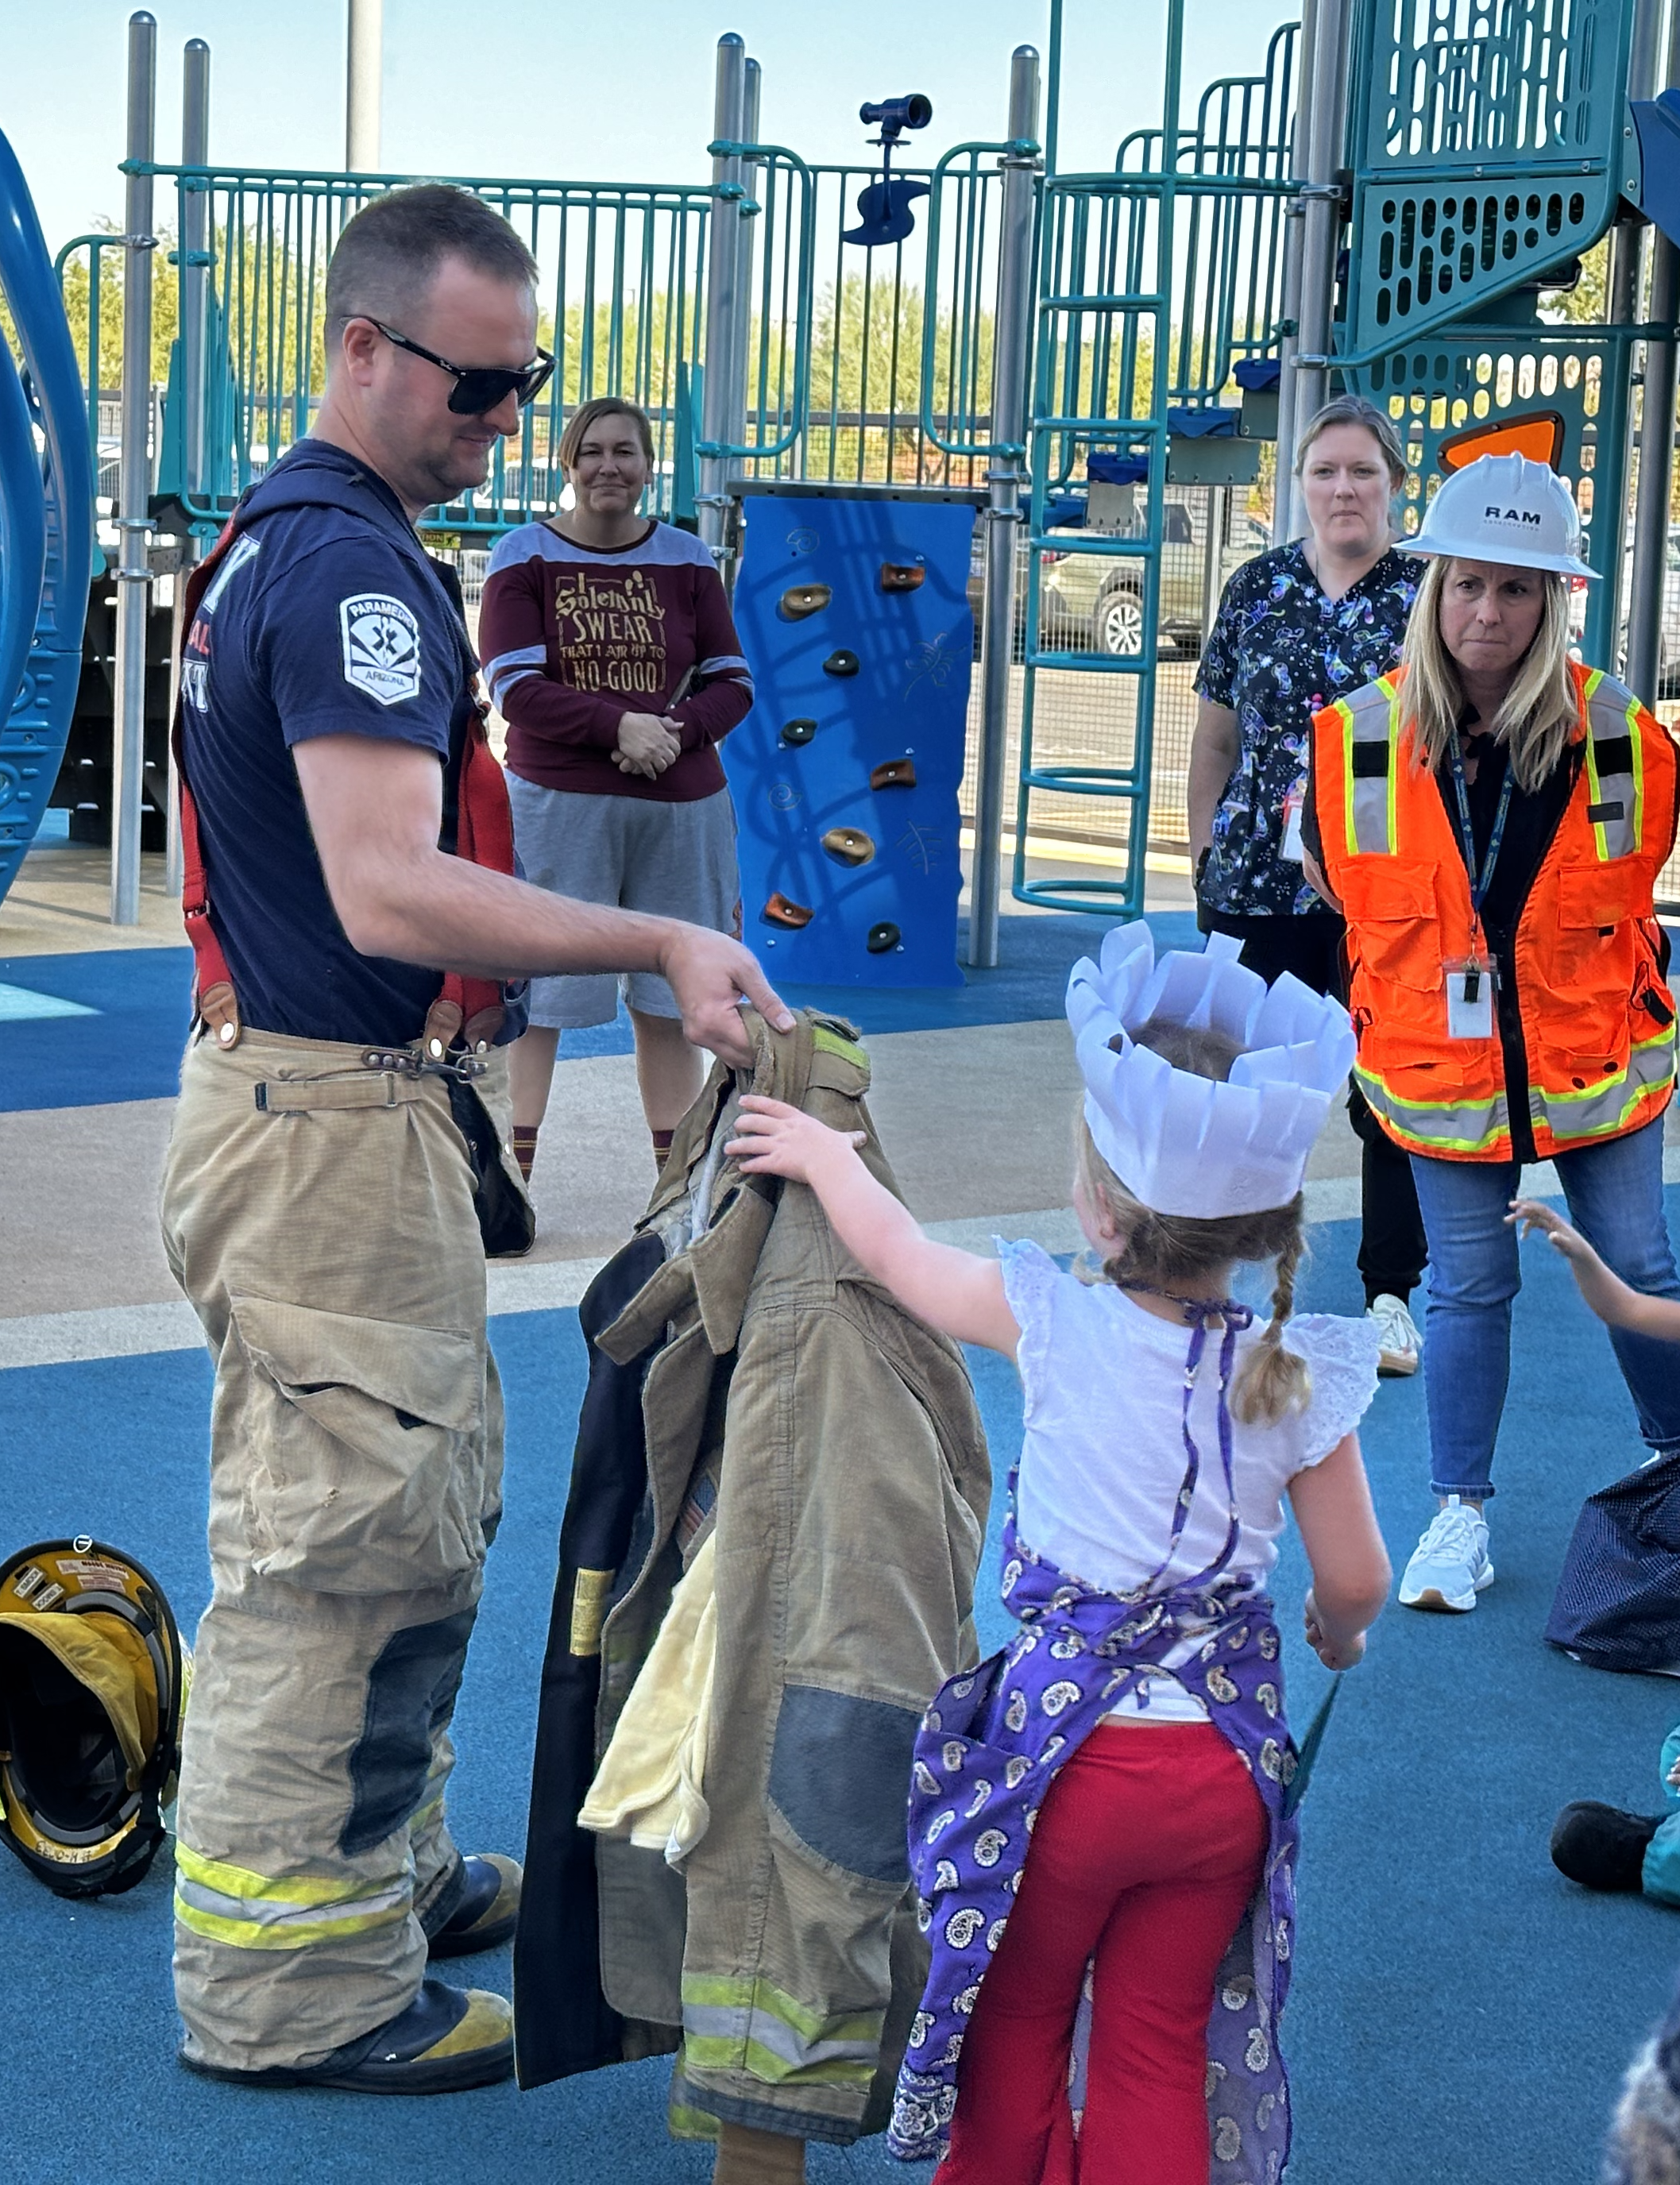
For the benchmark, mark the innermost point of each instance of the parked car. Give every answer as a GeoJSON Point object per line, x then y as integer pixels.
{"type": "Point", "coordinates": [1093, 602]}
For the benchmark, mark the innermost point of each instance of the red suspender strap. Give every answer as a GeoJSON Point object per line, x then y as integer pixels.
{"type": "Point", "coordinates": [484, 835]}
{"type": "Point", "coordinates": [213, 996]}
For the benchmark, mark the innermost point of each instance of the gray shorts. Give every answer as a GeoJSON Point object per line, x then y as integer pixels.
{"type": "Point", "coordinates": [669, 860]}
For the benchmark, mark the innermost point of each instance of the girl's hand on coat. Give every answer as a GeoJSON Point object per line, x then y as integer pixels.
{"type": "Point", "coordinates": [773, 1139]}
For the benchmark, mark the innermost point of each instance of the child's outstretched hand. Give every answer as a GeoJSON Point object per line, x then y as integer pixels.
{"type": "Point", "coordinates": [773, 1139]}
{"type": "Point", "coordinates": [1528, 1215]}
{"type": "Point", "coordinates": [1334, 1654]}
{"type": "Point", "coordinates": [1608, 1295]}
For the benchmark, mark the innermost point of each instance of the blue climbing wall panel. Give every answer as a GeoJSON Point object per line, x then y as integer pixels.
{"type": "Point", "coordinates": [854, 615]}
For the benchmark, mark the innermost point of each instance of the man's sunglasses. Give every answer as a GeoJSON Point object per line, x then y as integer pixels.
{"type": "Point", "coordinates": [477, 390]}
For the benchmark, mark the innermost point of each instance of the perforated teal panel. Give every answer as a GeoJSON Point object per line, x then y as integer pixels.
{"type": "Point", "coordinates": [1490, 150]}
{"type": "Point", "coordinates": [1441, 387]}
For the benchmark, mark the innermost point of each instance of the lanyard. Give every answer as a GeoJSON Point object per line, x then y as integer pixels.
{"type": "Point", "coordinates": [1478, 887]}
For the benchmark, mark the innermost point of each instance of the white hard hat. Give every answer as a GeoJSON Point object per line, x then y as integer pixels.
{"type": "Point", "coordinates": [1505, 509]}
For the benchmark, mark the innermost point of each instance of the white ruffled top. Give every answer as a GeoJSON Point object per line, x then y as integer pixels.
{"type": "Point", "coordinates": [1103, 1459]}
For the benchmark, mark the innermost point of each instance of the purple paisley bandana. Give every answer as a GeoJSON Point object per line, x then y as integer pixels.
{"type": "Point", "coordinates": [988, 1750]}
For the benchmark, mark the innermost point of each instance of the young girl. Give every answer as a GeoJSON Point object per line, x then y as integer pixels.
{"type": "Point", "coordinates": [1135, 1729]}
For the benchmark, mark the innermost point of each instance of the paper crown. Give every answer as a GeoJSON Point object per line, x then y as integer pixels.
{"type": "Point", "coordinates": [1184, 1144]}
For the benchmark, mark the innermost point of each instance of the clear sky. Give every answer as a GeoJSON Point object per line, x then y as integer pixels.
{"type": "Point", "coordinates": [566, 90]}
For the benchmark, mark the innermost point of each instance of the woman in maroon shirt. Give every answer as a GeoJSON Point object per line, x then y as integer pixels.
{"type": "Point", "coordinates": [610, 652]}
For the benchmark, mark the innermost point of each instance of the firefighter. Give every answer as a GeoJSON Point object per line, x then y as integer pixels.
{"type": "Point", "coordinates": [339, 1168]}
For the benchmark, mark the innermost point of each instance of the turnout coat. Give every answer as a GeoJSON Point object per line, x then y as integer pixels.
{"type": "Point", "coordinates": [747, 1376]}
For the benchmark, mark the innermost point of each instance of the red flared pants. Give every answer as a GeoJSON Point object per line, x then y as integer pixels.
{"type": "Point", "coordinates": [1147, 1850]}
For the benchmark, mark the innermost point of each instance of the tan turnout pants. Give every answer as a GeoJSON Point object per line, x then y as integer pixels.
{"type": "Point", "coordinates": [319, 1216]}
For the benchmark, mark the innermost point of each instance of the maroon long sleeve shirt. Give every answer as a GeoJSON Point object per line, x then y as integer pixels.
{"type": "Point", "coordinates": [575, 637]}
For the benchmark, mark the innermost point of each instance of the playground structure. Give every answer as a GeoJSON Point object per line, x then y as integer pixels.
{"type": "Point", "coordinates": [1108, 361]}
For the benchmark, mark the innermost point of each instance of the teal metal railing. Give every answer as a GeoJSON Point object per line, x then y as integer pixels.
{"type": "Point", "coordinates": [1156, 279]}
{"type": "Point", "coordinates": [625, 268]}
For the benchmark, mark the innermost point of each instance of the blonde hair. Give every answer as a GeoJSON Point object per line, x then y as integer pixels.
{"type": "Point", "coordinates": [1539, 714]}
{"type": "Point", "coordinates": [1165, 1249]}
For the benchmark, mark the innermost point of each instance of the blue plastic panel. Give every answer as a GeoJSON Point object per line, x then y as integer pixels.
{"type": "Point", "coordinates": [48, 529]}
{"type": "Point", "coordinates": [908, 699]}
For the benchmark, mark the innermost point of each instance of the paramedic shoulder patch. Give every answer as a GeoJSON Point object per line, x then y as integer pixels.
{"type": "Point", "coordinates": [382, 646]}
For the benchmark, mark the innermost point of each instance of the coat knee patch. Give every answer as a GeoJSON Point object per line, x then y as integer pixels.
{"type": "Point", "coordinates": [411, 1696]}
{"type": "Point", "coordinates": [839, 1776]}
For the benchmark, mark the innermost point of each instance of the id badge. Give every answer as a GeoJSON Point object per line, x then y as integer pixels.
{"type": "Point", "coordinates": [1293, 804]}
{"type": "Point", "coordinates": [1470, 983]}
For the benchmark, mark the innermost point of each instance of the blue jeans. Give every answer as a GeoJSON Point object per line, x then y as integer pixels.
{"type": "Point", "coordinates": [1615, 1195]}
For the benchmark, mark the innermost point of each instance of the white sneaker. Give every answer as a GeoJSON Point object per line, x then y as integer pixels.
{"type": "Point", "coordinates": [1402, 1344]}
{"type": "Point", "coordinates": [1450, 1564]}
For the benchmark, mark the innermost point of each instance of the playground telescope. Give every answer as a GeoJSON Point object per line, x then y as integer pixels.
{"type": "Point", "coordinates": [894, 115]}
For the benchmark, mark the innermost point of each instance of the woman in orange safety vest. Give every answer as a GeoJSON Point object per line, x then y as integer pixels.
{"type": "Point", "coordinates": [1491, 820]}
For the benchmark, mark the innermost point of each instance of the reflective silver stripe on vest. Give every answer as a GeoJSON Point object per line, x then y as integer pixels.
{"type": "Point", "coordinates": [1468, 1128]}
{"type": "Point", "coordinates": [1601, 1109]}
{"type": "Point", "coordinates": [1614, 790]}
{"type": "Point", "coordinates": [1371, 728]}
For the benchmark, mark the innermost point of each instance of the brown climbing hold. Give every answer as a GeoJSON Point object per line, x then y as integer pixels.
{"type": "Point", "coordinates": [779, 911]}
{"type": "Point", "coordinates": [800, 600]}
{"type": "Point", "coordinates": [902, 576]}
{"type": "Point", "coordinates": [849, 846]}
{"type": "Point", "coordinates": [893, 774]}
{"type": "Point", "coordinates": [882, 938]}
{"type": "Point", "coordinates": [797, 731]}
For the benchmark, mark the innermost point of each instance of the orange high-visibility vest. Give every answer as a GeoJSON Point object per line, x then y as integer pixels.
{"type": "Point", "coordinates": [1597, 1016]}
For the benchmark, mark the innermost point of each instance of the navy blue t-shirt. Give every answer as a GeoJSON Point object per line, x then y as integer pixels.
{"type": "Point", "coordinates": [325, 618]}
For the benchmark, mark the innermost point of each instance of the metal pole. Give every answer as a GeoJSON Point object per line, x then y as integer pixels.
{"type": "Point", "coordinates": [195, 291]}
{"type": "Point", "coordinates": [717, 407]}
{"type": "Point", "coordinates": [1283, 488]}
{"type": "Point", "coordinates": [1656, 455]}
{"type": "Point", "coordinates": [1322, 218]}
{"type": "Point", "coordinates": [1212, 555]}
{"type": "Point", "coordinates": [364, 74]}
{"type": "Point", "coordinates": [1012, 346]}
{"type": "Point", "coordinates": [1602, 636]}
{"type": "Point", "coordinates": [740, 335]}
{"type": "Point", "coordinates": [133, 575]}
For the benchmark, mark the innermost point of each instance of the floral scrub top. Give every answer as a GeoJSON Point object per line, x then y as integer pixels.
{"type": "Point", "coordinates": [1278, 652]}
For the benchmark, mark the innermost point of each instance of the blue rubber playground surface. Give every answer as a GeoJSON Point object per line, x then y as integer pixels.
{"type": "Point", "coordinates": [1460, 2012]}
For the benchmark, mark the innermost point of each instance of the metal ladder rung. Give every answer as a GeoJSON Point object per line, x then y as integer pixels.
{"type": "Point", "coordinates": [1125, 299]}
{"type": "Point", "coordinates": [1087, 781]}
{"type": "Point", "coordinates": [1073, 540]}
{"type": "Point", "coordinates": [1102, 429]}
{"type": "Point", "coordinates": [1097, 663]}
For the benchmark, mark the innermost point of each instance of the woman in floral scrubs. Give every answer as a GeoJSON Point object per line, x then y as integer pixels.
{"type": "Point", "coordinates": [1296, 628]}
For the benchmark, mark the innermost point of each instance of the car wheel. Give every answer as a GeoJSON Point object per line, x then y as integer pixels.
{"type": "Point", "coordinates": [1118, 624]}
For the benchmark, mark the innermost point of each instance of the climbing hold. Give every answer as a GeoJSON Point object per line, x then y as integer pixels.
{"type": "Point", "coordinates": [902, 576]}
{"type": "Point", "coordinates": [797, 731]}
{"type": "Point", "coordinates": [849, 846]}
{"type": "Point", "coordinates": [893, 774]}
{"type": "Point", "coordinates": [841, 663]}
{"type": "Point", "coordinates": [800, 600]}
{"type": "Point", "coordinates": [779, 911]}
{"type": "Point", "coordinates": [882, 938]}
